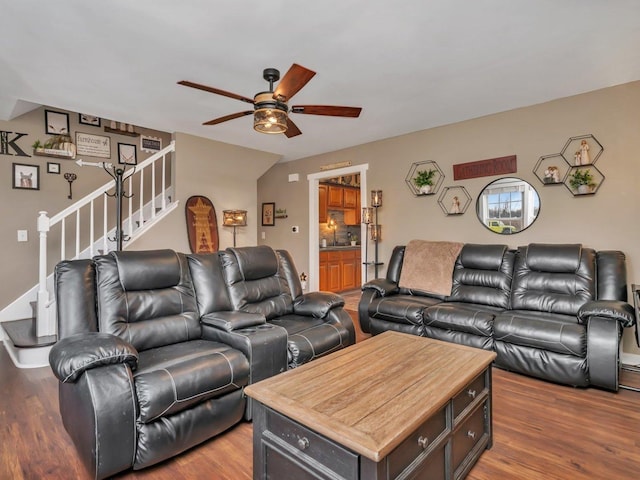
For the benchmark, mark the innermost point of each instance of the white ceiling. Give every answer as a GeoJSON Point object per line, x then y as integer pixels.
{"type": "Point", "coordinates": [410, 64]}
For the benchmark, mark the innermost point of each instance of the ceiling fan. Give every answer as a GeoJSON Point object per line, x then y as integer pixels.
{"type": "Point", "coordinates": [270, 109]}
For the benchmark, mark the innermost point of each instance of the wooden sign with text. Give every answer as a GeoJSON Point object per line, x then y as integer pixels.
{"type": "Point", "coordinates": [485, 168]}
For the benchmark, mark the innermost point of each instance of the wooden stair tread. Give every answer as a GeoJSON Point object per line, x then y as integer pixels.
{"type": "Point", "coordinates": [22, 334]}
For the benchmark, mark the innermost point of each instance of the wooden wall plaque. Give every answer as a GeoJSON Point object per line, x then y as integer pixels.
{"type": "Point", "coordinates": [202, 225]}
{"type": "Point", "coordinates": [485, 168]}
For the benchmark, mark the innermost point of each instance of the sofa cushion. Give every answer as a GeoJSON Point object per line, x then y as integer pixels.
{"type": "Point", "coordinates": [463, 317]}
{"type": "Point", "coordinates": [148, 316]}
{"type": "Point", "coordinates": [406, 309]}
{"type": "Point", "coordinates": [553, 278]}
{"type": "Point", "coordinates": [482, 275]}
{"type": "Point", "coordinates": [175, 377]}
{"type": "Point", "coordinates": [148, 270]}
{"type": "Point", "coordinates": [552, 332]}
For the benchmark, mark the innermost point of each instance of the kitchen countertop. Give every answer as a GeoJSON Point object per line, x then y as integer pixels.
{"type": "Point", "coordinates": [340, 247]}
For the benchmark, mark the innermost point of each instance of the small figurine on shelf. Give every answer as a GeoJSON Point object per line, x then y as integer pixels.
{"type": "Point", "coordinates": [552, 174]}
{"type": "Point", "coordinates": [584, 153]}
{"type": "Point", "coordinates": [577, 160]}
{"type": "Point", "coordinates": [455, 205]}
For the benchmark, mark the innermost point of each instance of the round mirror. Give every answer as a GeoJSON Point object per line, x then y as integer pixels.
{"type": "Point", "coordinates": [508, 205]}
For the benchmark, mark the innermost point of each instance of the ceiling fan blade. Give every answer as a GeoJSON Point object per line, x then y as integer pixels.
{"type": "Point", "coordinates": [292, 129]}
{"type": "Point", "coordinates": [295, 78]}
{"type": "Point", "coordinates": [329, 110]}
{"type": "Point", "coordinates": [217, 91]}
{"type": "Point", "coordinates": [228, 117]}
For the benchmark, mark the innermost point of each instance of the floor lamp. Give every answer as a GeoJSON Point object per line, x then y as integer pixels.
{"type": "Point", "coordinates": [234, 218]}
{"type": "Point", "coordinates": [370, 218]}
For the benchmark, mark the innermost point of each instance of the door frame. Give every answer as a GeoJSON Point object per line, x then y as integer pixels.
{"type": "Point", "coordinates": [314, 212]}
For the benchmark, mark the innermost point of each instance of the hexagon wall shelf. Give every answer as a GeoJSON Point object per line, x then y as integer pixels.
{"type": "Point", "coordinates": [551, 169]}
{"type": "Point", "coordinates": [454, 200]}
{"type": "Point", "coordinates": [591, 189]}
{"type": "Point", "coordinates": [422, 166]}
{"type": "Point", "coordinates": [572, 150]}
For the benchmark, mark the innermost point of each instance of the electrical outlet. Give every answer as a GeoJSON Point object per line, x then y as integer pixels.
{"type": "Point", "coordinates": [23, 236]}
{"type": "Point", "coordinates": [295, 229]}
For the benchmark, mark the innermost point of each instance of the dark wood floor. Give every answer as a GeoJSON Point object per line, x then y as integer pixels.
{"type": "Point", "coordinates": [541, 431]}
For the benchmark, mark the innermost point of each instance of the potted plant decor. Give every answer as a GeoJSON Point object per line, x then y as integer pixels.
{"type": "Point", "coordinates": [582, 181]}
{"type": "Point", "coordinates": [424, 180]}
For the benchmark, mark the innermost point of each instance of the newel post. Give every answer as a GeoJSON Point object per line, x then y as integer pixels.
{"type": "Point", "coordinates": [44, 324]}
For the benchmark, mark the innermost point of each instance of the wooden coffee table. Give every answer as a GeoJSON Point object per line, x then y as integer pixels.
{"type": "Point", "coordinates": [395, 405]}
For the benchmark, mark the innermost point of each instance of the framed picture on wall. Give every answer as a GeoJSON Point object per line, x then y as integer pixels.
{"type": "Point", "coordinates": [127, 154]}
{"type": "Point", "coordinates": [88, 120]}
{"type": "Point", "coordinates": [56, 123]}
{"type": "Point", "coordinates": [268, 214]}
{"type": "Point", "coordinates": [53, 167]}
{"type": "Point", "coordinates": [26, 177]}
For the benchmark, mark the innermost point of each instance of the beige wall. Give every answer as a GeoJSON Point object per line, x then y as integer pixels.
{"type": "Point", "coordinates": [19, 208]}
{"type": "Point", "coordinates": [607, 220]}
{"type": "Point", "coordinates": [227, 175]}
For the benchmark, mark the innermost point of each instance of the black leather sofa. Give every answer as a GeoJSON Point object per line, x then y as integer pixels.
{"type": "Point", "coordinates": [556, 312]}
{"type": "Point", "coordinates": [155, 347]}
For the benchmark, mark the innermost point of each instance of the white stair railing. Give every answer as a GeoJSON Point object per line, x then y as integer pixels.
{"type": "Point", "coordinates": [85, 243]}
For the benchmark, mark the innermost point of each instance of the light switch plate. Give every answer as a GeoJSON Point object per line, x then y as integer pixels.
{"type": "Point", "coordinates": [23, 236]}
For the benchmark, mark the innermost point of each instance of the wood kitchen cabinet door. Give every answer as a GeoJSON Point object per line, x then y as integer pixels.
{"type": "Point", "coordinates": [322, 203]}
{"type": "Point", "coordinates": [335, 196]}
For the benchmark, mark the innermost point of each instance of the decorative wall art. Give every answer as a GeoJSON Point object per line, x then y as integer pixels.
{"type": "Point", "coordinates": [26, 177]}
{"type": "Point", "coordinates": [268, 214]}
{"type": "Point", "coordinates": [56, 123]}
{"type": "Point", "coordinates": [92, 145]}
{"type": "Point", "coordinates": [127, 154]}
{"type": "Point", "coordinates": [88, 120]}
{"type": "Point", "coordinates": [485, 168]}
{"type": "Point", "coordinates": [150, 144]}
{"type": "Point", "coordinates": [454, 200]}
{"type": "Point", "coordinates": [53, 167]}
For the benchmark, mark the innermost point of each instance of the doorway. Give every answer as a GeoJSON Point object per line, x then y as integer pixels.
{"type": "Point", "coordinates": [314, 249]}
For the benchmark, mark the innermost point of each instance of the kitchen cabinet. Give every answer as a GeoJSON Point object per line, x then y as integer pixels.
{"type": "Point", "coordinates": [350, 197]}
{"type": "Point", "coordinates": [322, 203]}
{"type": "Point", "coordinates": [335, 196]}
{"type": "Point", "coordinates": [340, 269]}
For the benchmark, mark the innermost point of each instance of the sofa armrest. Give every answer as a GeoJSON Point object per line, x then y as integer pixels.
{"type": "Point", "coordinates": [317, 304]}
{"type": "Point", "coordinates": [233, 320]}
{"type": "Point", "coordinates": [613, 309]}
{"type": "Point", "coordinates": [383, 286]}
{"type": "Point", "coordinates": [72, 356]}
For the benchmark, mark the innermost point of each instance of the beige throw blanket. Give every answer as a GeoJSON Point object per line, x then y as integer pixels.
{"type": "Point", "coordinates": [428, 266]}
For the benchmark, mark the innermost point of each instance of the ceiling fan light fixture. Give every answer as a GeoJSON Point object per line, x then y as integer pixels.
{"type": "Point", "coordinates": [270, 115]}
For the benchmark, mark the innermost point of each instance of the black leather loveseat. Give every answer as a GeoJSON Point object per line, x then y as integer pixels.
{"type": "Point", "coordinates": [555, 312]}
{"type": "Point", "coordinates": [156, 346]}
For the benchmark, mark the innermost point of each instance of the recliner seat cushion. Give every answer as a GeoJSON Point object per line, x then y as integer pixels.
{"type": "Point", "coordinates": [175, 377]}
{"type": "Point", "coordinates": [462, 317]}
{"type": "Point", "coordinates": [544, 331]}
{"type": "Point", "coordinates": [405, 309]}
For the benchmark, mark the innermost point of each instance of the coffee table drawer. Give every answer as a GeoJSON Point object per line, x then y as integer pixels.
{"type": "Point", "coordinates": [468, 394]}
{"type": "Point", "coordinates": [307, 444]}
{"type": "Point", "coordinates": [471, 432]}
{"type": "Point", "coordinates": [422, 439]}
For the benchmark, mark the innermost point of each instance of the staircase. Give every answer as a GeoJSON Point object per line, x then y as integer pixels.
{"type": "Point", "coordinates": [29, 323]}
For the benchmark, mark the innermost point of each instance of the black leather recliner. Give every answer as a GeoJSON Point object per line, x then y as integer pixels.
{"type": "Point", "coordinates": [138, 382]}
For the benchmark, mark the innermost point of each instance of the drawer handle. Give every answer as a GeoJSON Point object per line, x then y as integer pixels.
{"type": "Point", "coordinates": [303, 443]}
{"type": "Point", "coordinates": [471, 434]}
{"type": "Point", "coordinates": [471, 393]}
{"type": "Point", "coordinates": [423, 442]}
